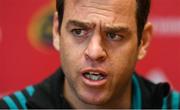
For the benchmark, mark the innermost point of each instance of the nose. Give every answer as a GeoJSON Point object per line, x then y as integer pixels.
{"type": "Point", "coordinates": [95, 50]}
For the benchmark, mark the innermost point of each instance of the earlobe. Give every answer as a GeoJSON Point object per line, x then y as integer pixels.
{"type": "Point", "coordinates": [145, 40]}
{"type": "Point", "coordinates": [56, 32]}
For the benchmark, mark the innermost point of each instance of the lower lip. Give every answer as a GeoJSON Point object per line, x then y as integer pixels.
{"type": "Point", "coordinates": [93, 83]}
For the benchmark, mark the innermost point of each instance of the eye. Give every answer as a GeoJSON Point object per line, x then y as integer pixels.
{"type": "Point", "coordinates": [78, 32]}
{"type": "Point", "coordinates": [114, 36]}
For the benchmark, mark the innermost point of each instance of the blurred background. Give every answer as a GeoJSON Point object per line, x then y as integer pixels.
{"type": "Point", "coordinates": [27, 55]}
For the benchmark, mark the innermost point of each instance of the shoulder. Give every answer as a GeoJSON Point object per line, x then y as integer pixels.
{"type": "Point", "coordinates": [37, 96]}
{"type": "Point", "coordinates": [18, 99]}
{"type": "Point", "coordinates": [158, 95]}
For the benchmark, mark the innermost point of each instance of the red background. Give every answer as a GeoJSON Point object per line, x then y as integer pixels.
{"type": "Point", "coordinates": [24, 61]}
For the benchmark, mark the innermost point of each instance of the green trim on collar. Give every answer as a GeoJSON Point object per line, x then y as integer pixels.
{"type": "Point", "coordinates": [136, 101]}
{"type": "Point", "coordinates": [21, 98]}
{"type": "Point", "coordinates": [30, 90]}
{"type": "Point", "coordinates": [164, 105]}
{"type": "Point", "coordinates": [11, 104]}
{"type": "Point", "coordinates": [175, 100]}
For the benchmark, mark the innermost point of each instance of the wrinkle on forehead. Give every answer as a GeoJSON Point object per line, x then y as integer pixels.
{"type": "Point", "coordinates": [113, 6]}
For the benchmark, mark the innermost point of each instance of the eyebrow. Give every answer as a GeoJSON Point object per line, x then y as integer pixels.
{"type": "Point", "coordinates": [79, 24]}
{"type": "Point", "coordinates": [117, 29]}
{"type": "Point", "coordinates": [86, 25]}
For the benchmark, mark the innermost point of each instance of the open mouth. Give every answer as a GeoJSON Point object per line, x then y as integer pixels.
{"type": "Point", "coordinates": [94, 76]}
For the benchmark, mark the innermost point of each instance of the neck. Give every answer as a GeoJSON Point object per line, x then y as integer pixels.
{"type": "Point", "coordinates": [121, 100]}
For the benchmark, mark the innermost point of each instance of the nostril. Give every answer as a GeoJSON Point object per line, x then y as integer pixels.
{"type": "Point", "coordinates": [95, 55]}
{"type": "Point", "coordinates": [95, 58]}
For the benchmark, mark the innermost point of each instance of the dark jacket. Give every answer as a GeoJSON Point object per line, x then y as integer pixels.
{"type": "Point", "coordinates": [49, 94]}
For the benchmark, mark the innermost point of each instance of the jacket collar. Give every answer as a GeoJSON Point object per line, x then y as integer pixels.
{"type": "Point", "coordinates": [49, 93]}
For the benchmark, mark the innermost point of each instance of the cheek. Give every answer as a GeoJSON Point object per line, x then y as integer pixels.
{"type": "Point", "coordinates": [72, 50]}
{"type": "Point", "coordinates": [123, 62]}
{"type": "Point", "coordinates": [67, 54]}
{"type": "Point", "coordinates": [124, 57]}
{"type": "Point", "coordinates": [123, 65]}
{"type": "Point", "coordinates": [71, 54]}
{"type": "Point", "coordinates": [67, 47]}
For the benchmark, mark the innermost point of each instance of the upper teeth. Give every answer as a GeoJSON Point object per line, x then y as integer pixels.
{"type": "Point", "coordinates": [94, 76]}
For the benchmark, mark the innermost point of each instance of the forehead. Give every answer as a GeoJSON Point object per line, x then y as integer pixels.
{"type": "Point", "coordinates": [111, 5]}
{"type": "Point", "coordinates": [104, 11]}
{"type": "Point", "coordinates": [118, 3]}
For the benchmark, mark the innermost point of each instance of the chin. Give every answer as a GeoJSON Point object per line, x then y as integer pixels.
{"type": "Point", "coordinates": [97, 100]}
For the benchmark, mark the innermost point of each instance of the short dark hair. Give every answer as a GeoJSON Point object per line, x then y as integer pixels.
{"type": "Point", "coordinates": [142, 12]}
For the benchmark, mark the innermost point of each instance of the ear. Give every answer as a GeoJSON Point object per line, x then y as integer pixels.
{"type": "Point", "coordinates": [56, 32]}
{"type": "Point", "coordinates": [145, 40]}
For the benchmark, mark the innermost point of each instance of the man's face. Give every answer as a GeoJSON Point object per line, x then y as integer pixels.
{"type": "Point", "coordinates": [99, 48]}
